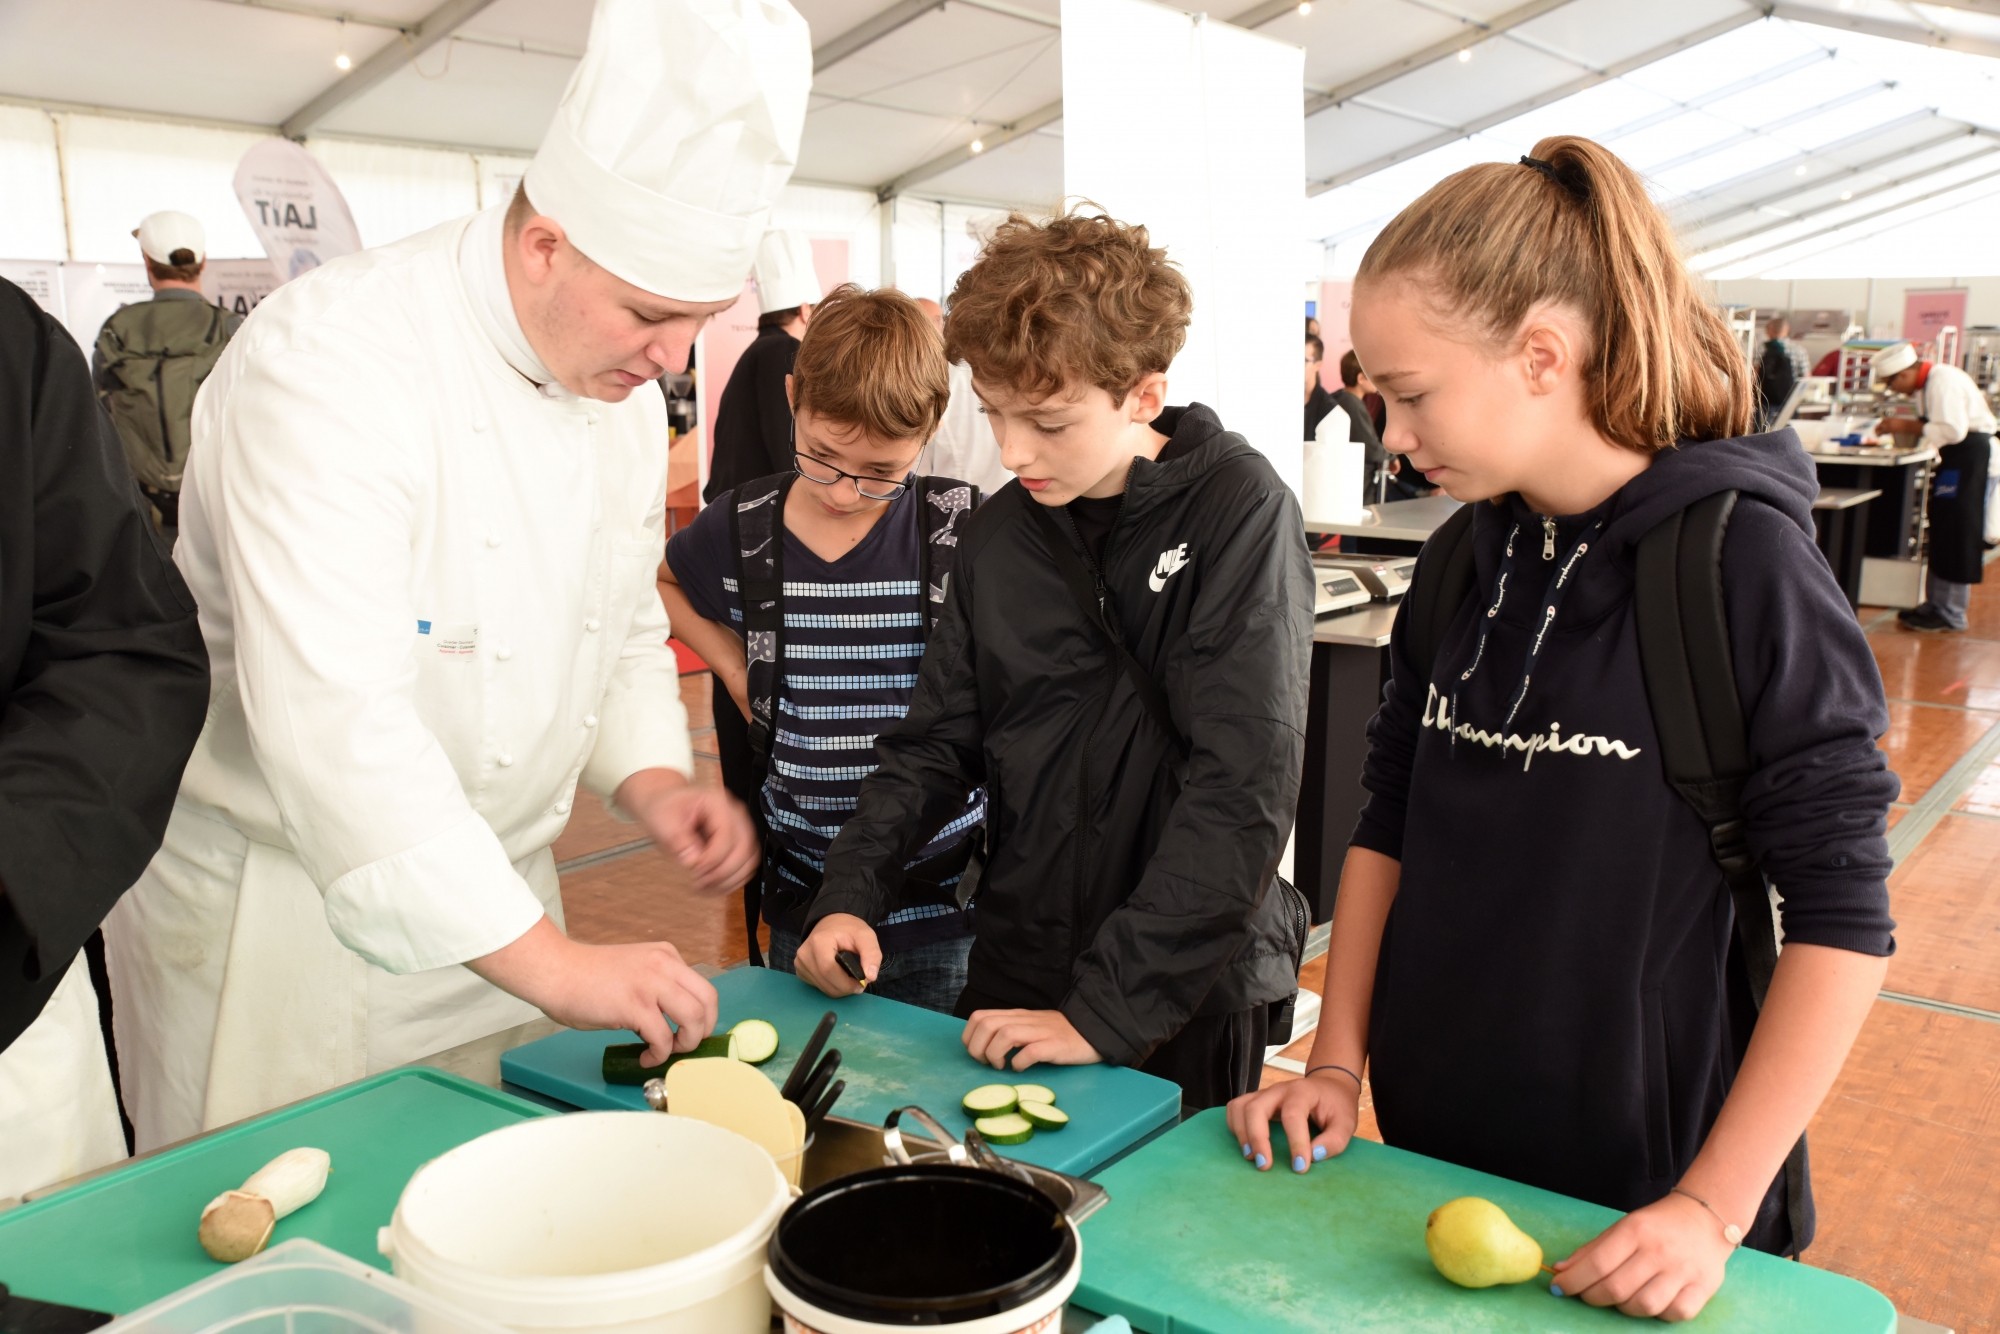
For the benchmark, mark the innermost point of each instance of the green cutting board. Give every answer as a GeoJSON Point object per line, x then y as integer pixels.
{"type": "Point", "coordinates": [127, 1238]}
{"type": "Point", "coordinates": [1196, 1241]}
{"type": "Point", "coordinates": [891, 1055]}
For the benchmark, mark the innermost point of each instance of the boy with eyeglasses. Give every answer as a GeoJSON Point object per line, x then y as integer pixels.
{"type": "Point", "coordinates": [846, 559]}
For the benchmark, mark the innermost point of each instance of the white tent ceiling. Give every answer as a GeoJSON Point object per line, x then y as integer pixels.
{"type": "Point", "coordinates": [1717, 100]}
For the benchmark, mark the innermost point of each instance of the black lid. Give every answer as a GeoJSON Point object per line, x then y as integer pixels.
{"type": "Point", "coordinates": [929, 1244]}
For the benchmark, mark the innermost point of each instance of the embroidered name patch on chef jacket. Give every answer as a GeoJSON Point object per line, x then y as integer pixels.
{"type": "Point", "coordinates": [449, 639]}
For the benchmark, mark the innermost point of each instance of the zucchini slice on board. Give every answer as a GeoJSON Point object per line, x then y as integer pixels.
{"type": "Point", "coordinates": [755, 1041]}
{"type": "Point", "coordinates": [1040, 1093]}
{"type": "Point", "coordinates": [1042, 1116]}
{"type": "Point", "coordinates": [621, 1060]}
{"type": "Point", "coordinates": [1008, 1129]}
{"type": "Point", "coordinates": [990, 1100]}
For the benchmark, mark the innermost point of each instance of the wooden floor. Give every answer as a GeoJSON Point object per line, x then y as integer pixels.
{"type": "Point", "coordinates": [1906, 1150]}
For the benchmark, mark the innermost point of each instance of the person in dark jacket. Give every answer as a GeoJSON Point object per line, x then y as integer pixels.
{"type": "Point", "coordinates": [1318, 401]}
{"type": "Point", "coordinates": [1532, 950]}
{"type": "Point", "coordinates": [103, 687]}
{"type": "Point", "coordinates": [753, 422]}
{"type": "Point", "coordinates": [1128, 907]}
{"type": "Point", "coordinates": [1780, 367]}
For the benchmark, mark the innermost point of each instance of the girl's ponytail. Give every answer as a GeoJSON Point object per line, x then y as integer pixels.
{"type": "Point", "coordinates": [1573, 225]}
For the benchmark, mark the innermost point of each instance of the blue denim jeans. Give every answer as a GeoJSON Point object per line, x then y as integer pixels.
{"type": "Point", "coordinates": [929, 975]}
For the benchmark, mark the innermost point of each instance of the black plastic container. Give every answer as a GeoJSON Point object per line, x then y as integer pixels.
{"type": "Point", "coordinates": [922, 1245]}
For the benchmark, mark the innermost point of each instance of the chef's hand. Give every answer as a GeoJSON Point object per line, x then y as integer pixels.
{"type": "Point", "coordinates": [1899, 426]}
{"type": "Point", "coordinates": [1664, 1260]}
{"type": "Point", "coordinates": [1327, 1098]}
{"type": "Point", "coordinates": [817, 960]}
{"type": "Point", "coordinates": [1032, 1035]}
{"type": "Point", "coordinates": [606, 986]}
{"type": "Point", "coordinates": [705, 828]}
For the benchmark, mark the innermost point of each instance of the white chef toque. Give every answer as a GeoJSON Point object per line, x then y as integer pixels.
{"type": "Point", "coordinates": [676, 133]}
{"type": "Point", "coordinates": [1899, 357]}
{"type": "Point", "coordinates": [785, 276]}
{"type": "Point", "coordinates": [162, 233]}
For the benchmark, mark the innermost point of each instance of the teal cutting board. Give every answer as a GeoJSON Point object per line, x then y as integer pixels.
{"type": "Point", "coordinates": [891, 1055]}
{"type": "Point", "coordinates": [1196, 1241]}
{"type": "Point", "coordinates": [127, 1238]}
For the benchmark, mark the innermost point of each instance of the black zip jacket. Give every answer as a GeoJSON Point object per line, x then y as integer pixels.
{"type": "Point", "coordinates": [1558, 999]}
{"type": "Point", "coordinates": [753, 421]}
{"type": "Point", "coordinates": [1124, 885]}
{"type": "Point", "coordinates": [103, 677]}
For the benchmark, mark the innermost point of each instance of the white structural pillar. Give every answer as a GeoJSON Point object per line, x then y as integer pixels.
{"type": "Point", "coordinates": [1192, 127]}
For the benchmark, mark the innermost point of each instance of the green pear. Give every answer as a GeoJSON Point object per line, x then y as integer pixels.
{"type": "Point", "coordinates": [1475, 1245]}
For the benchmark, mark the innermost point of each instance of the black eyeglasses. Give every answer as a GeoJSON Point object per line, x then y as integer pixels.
{"type": "Point", "coordinates": [813, 470]}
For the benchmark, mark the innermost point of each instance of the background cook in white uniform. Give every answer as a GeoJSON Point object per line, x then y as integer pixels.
{"type": "Point", "coordinates": [422, 519]}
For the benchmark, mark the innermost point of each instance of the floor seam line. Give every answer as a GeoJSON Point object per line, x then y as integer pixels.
{"type": "Point", "coordinates": [1936, 803]}
{"type": "Point", "coordinates": [603, 855]}
{"type": "Point", "coordinates": [1934, 704]}
{"type": "Point", "coordinates": [1942, 1007]}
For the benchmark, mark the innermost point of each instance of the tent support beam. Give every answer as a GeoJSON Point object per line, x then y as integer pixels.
{"type": "Point", "coordinates": [1431, 54]}
{"type": "Point", "coordinates": [428, 31]}
{"type": "Point", "coordinates": [944, 162]}
{"type": "Point", "coordinates": [1701, 224]}
{"type": "Point", "coordinates": [1805, 215]}
{"type": "Point", "coordinates": [1864, 219]}
{"type": "Point", "coordinates": [1897, 32]}
{"type": "Point", "coordinates": [1522, 108]}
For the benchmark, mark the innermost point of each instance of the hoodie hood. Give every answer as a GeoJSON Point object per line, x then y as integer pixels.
{"type": "Point", "coordinates": [1197, 444]}
{"type": "Point", "coordinates": [1772, 467]}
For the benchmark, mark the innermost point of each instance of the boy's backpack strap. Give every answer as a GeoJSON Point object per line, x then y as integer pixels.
{"type": "Point", "coordinates": [757, 537]}
{"type": "Point", "coordinates": [1443, 582]}
{"type": "Point", "coordinates": [1704, 743]}
{"type": "Point", "coordinates": [1090, 600]}
{"type": "Point", "coordinates": [944, 501]}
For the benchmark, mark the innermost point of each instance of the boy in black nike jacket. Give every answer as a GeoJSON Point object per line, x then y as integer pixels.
{"type": "Point", "coordinates": [1122, 663]}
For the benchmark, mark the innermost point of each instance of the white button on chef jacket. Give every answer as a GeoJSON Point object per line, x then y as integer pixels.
{"type": "Point", "coordinates": [340, 525]}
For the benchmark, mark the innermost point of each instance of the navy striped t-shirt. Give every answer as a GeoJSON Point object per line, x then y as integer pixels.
{"type": "Point", "coordinates": [853, 637]}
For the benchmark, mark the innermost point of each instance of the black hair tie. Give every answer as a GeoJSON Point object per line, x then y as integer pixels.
{"type": "Point", "coordinates": [1575, 186]}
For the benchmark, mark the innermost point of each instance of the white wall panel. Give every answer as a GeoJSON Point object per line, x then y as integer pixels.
{"type": "Point", "coordinates": [1193, 129]}
{"type": "Point", "coordinates": [31, 219]}
{"type": "Point", "coordinates": [121, 170]}
{"type": "Point", "coordinates": [395, 192]}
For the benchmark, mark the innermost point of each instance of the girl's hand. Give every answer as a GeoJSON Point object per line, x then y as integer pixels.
{"type": "Point", "coordinates": [1329, 1098]}
{"type": "Point", "coordinates": [1664, 1260]}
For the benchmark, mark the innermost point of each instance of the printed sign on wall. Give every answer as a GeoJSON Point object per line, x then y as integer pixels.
{"type": "Point", "coordinates": [92, 291]}
{"type": "Point", "coordinates": [1926, 313]}
{"type": "Point", "coordinates": [294, 207]}
{"type": "Point", "coordinates": [39, 278]}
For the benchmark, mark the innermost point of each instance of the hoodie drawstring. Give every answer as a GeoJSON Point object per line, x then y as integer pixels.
{"type": "Point", "coordinates": [1558, 588]}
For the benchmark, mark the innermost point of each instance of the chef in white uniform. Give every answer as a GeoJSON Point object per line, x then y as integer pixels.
{"type": "Point", "coordinates": [422, 518]}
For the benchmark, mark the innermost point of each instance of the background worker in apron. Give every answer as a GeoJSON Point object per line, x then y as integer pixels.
{"type": "Point", "coordinates": [1954, 417]}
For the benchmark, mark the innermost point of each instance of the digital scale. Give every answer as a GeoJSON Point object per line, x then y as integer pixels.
{"type": "Point", "coordinates": [1382, 578]}
{"type": "Point", "coordinates": [1336, 590]}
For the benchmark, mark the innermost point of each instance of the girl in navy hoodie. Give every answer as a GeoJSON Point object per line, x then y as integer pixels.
{"type": "Point", "coordinates": [1532, 943]}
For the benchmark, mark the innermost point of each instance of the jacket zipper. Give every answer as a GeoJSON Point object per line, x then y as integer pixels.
{"type": "Point", "coordinates": [1548, 538]}
{"type": "Point", "coordinates": [1079, 887]}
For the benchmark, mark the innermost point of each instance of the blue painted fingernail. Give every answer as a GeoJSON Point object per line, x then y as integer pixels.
{"type": "Point", "coordinates": [1299, 1164]}
{"type": "Point", "coordinates": [1319, 1153]}
{"type": "Point", "coordinates": [1262, 1161]}
{"type": "Point", "coordinates": [1555, 1290]}
{"type": "Point", "coordinates": [1246, 1150]}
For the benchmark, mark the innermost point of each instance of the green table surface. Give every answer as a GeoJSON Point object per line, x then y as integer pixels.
{"type": "Point", "coordinates": [891, 1055]}
{"type": "Point", "coordinates": [1196, 1241]}
{"type": "Point", "coordinates": [121, 1240]}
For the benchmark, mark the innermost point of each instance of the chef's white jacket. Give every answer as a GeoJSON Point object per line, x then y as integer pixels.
{"type": "Point", "coordinates": [427, 588]}
{"type": "Point", "coordinates": [1952, 406]}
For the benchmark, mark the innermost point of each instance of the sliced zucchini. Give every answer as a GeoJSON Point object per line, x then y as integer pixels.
{"type": "Point", "coordinates": [1040, 1093]}
{"type": "Point", "coordinates": [621, 1060]}
{"type": "Point", "coordinates": [1042, 1116]}
{"type": "Point", "coordinates": [755, 1041]}
{"type": "Point", "coordinates": [990, 1100]}
{"type": "Point", "coordinates": [1009, 1129]}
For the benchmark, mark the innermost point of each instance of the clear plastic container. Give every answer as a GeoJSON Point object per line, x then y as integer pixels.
{"type": "Point", "coordinates": [301, 1287]}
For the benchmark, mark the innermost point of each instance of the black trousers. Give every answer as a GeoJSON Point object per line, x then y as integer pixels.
{"type": "Point", "coordinates": [1958, 510]}
{"type": "Point", "coordinates": [1213, 1058]}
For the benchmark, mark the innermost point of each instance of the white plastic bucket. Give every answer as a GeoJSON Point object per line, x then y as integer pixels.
{"type": "Point", "coordinates": [1041, 1316]}
{"type": "Point", "coordinates": [616, 1222]}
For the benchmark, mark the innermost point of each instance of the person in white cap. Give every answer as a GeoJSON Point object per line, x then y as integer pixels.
{"type": "Point", "coordinates": [753, 421]}
{"type": "Point", "coordinates": [422, 519]}
{"type": "Point", "coordinates": [1953, 416]}
{"type": "Point", "coordinates": [152, 357]}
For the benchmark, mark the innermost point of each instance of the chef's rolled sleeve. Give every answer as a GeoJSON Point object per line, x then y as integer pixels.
{"type": "Point", "coordinates": [322, 498]}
